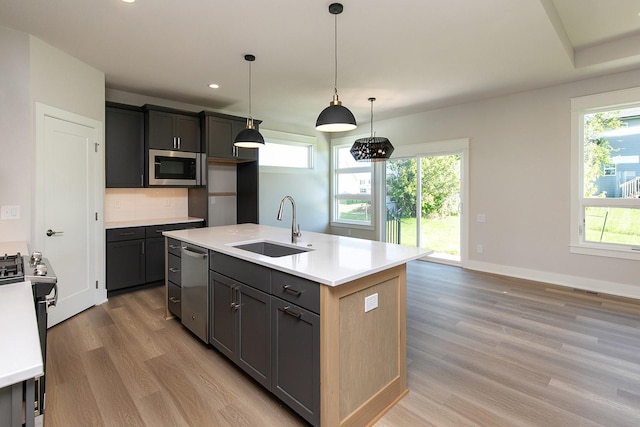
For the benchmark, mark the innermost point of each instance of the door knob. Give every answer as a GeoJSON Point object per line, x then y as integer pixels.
{"type": "Point", "coordinates": [50, 232]}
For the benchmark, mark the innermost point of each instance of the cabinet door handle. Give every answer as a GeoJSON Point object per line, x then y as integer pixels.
{"type": "Point", "coordinates": [295, 292]}
{"type": "Point", "coordinates": [179, 143]}
{"type": "Point", "coordinates": [290, 313]}
{"type": "Point", "coordinates": [174, 300]}
{"type": "Point", "coordinates": [174, 270]}
{"type": "Point", "coordinates": [175, 247]}
{"type": "Point", "coordinates": [235, 303]}
{"type": "Point", "coordinates": [142, 246]}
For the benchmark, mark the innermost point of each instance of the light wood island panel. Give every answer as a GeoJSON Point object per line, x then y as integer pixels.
{"type": "Point", "coordinates": [362, 354]}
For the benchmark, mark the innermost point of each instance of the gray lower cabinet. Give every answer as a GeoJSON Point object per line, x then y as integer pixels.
{"type": "Point", "coordinates": [268, 323]}
{"type": "Point", "coordinates": [135, 255]}
{"type": "Point", "coordinates": [174, 277]}
{"type": "Point", "coordinates": [295, 358]}
{"type": "Point", "coordinates": [15, 401]}
{"type": "Point", "coordinates": [240, 325]}
{"type": "Point", "coordinates": [125, 258]}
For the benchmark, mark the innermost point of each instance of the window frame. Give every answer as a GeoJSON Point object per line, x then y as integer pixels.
{"type": "Point", "coordinates": [335, 197]}
{"type": "Point", "coordinates": [581, 106]}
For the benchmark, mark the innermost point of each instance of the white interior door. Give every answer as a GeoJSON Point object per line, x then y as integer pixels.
{"type": "Point", "coordinates": [68, 206]}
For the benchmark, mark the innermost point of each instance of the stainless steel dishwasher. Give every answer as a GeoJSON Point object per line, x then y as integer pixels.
{"type": "Point", "coordinates": [195, 281]}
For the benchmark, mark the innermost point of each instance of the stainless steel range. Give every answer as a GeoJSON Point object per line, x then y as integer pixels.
{"type": "Point", "coordinates": [37, 270]}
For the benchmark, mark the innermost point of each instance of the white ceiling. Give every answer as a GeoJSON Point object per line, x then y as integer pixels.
{"type": "Point", "coordinates": [411, 55]}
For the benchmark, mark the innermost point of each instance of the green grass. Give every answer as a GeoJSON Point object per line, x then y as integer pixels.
{"type": "Point", "coordinates": [441, 235]}
{"type": "Point", "coordinates": [621, 225]}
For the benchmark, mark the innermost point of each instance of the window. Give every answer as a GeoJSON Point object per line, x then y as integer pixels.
{"type": "Point", "coordinates": [605, 209]}
{"type": "Point", "coordinates": [285, 150]}
{"type": "Point", "coordinates": [351, 188]}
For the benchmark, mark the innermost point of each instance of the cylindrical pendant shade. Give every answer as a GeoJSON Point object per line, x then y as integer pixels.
{"type": "Point", "coordinates": [335, 118]}
{"type": "Point", "coordinates": [249, 138]}
{"type": "Point", "coordinates": [373, 149]}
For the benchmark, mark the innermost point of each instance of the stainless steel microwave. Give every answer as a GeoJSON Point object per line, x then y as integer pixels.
{"type": "Point", "coordinates": [176, 168]}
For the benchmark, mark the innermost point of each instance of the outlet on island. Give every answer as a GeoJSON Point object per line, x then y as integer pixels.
{"type": "Point", "coordinates": [370, 302]}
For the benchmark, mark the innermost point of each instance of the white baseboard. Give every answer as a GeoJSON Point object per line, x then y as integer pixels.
{"type": "Point", "coordinates": [576, 282]}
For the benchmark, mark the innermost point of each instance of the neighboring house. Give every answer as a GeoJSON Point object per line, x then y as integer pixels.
{"type": "Point", "coordinates": [621, 177]}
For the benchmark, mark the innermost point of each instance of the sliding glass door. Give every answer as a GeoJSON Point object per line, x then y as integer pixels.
{"type": "Point", "coordinates": [424, 203]}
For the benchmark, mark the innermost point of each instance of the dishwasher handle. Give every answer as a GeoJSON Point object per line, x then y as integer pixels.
{"type": "Point", "coordinates": [194, 254]}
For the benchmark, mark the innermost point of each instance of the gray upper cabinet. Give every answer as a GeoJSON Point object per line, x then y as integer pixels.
{"type": "Point", "coordinates": [218, 136]}
{"type": "Point", "coordinates": [124, 148]}
{"type": "Point", "coordinates": [167, 129]}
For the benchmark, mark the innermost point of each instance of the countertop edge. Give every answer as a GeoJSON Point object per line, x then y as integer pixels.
{"type": "Point", "coordinates": [148, 222]}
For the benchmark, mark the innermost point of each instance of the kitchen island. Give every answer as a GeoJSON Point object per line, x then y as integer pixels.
{"type": "Point", "coordinates": [361, 290]}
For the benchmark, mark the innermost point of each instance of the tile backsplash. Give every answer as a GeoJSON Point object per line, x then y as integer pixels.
{"type": "Point", "coordinates": [132, 204]}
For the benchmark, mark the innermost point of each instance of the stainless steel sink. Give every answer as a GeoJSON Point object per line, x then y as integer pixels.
{"type": "Point", "coordinates": [271, 249]}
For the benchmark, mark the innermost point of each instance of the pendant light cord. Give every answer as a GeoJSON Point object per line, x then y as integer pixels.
{"type": "Point", "coordinates": [249, 89]}
{"type": "Point", "coordinates": [335, 51]}
{"type": "Point", "coordinates": [372, 117]}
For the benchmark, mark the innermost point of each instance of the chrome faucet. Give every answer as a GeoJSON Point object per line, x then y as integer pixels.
{"type": "Point", "coordinates": [295, 228]}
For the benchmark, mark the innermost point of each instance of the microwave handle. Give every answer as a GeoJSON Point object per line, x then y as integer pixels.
{"type": "Point", "coordinates": [201, 169]}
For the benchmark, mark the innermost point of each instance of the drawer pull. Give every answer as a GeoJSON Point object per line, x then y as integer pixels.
{"type": "Point", "coordinates": [160, 231]}
{"type": "Point", "coordinates": [175, 247]}
{"type": "Point", "coordinates": [174, 270]}
{"type": "Point", "coordinates": [291, 313]}
{"type": "Point", "coordinates": [295, 292]}
{"type": "Point", "coordinates": [127, 234]}
{"type": "Point", "coordinates": [174, 300]}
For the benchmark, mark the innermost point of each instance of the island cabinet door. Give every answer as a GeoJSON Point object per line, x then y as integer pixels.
{"type": "Point", "coordinates": [295, 358]}
{"type": "Point", "coordinates": [222, 320]}
{"type": "Point", "coordinates": [254, 355]}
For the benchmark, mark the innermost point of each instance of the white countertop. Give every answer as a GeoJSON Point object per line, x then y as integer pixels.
{"type": "Point", "coordinates": [334, 260]}
{"type": "Point", "coordinates": [145, 222]}
{"type": "Point", "coordinates": [20, 354]}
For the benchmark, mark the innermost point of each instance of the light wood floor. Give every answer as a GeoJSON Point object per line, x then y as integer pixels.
{"type": "Point", "coordinates": [482, 350]}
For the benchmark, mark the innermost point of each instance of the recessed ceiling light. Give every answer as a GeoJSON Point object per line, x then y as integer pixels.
{"type": "Point", "coordinates": [214, 86]}
{"type": "Point", "coordinates": [128, 1]}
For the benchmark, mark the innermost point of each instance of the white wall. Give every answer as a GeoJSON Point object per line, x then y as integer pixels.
{"type": "Point", "coordinates": [16, 133]}
{"type": "Point", "coordinates": [309, 189]}
{"type": "Point", "coordinates": [520, 178]}
{"type": "Point", "coordinates": [32, 71]}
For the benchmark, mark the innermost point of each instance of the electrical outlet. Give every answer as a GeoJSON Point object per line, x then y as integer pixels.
{"type": "Point", "coordinates": [481, 217]}
{"type": "Point", "coordinates": [479, 248]}
{"type": "Point", "coordinates": [10, 212]}
{"type": "Point", "coordinates": [371, 302]}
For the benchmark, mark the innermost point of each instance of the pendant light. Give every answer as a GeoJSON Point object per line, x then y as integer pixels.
{"type": "Point", "coordinates": [335, 118]}
{"type": "Point", "coordinates": [249, 137]}
{"type": "Point", "coordinates": [373, 148]}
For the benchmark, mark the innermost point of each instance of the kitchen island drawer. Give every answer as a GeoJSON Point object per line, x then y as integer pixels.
{"type": "Point", "coordinates": [121, 234]}
{"type": "Point", "coordinates": [174, 299]}
{"type": "Point", "coordinates": [173, 270]}
{"type": "Point", "coordinates": [175, 247]}
{"type": "Point", "coordinates": [297, 290]}
{"type": "Point", "coordinates": [243, 271]}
